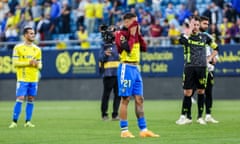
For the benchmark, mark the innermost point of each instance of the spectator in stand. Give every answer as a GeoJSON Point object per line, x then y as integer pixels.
{"type": "Point", "coordinates": [46, 8]}
{"type": "Point", "coordinates": [191, 5]}
{"type": "Point", "coordinates": [99, 7]}
{"type": "Point", "coordinates": [65, 18]}
{"type": "Point", "coordinates": [3, 10]}
{"type": "Point", "coordinates": [80, 13]}
{"type": "Point", "coordinates": [45, 28]}
{"type": "Point", "coordinates": [11, 35]}
{"type": "Point", "coordinates": [145, 28]}
{"type": "Point", "coordinates": [213, 30]}
{"type": "Point", "coordinates": [106, 9]}
{"type": "Point", "coordinates": [228, 13]}
{"type": "Point", "coordinates": [207, 11]}
{"type": "Point", "coordinates": [155, 30]}
{"type": "Point", "coordinates": [25, 20]}
{"type": "Point", "coordinates": [82, 35]}
{"type": "Point", "coordinates": [232, 33]}
{"type": "Point", "coordinates": [223, 29]}
{"type": "Point", "coordinates": [130, 4]}
{"type": "Point", "coordinates": [89, 11]}
{"type": "Point", "coordinates": [12, 4]}
{"type": "Point", "coordinates": [183, 14]}
{"type": "Point", "coordinates": [55, 14]}
{"type": "Point", "coordinates": [165, 29]}
{"type": "Point", "coordinates": [116, 12]}
{"type": "Point", "coordinates": [173, 34]}
{"type": "Point", "coordinates": [215, 14]}
{"type": "Point", "coordinates": [36, 11]}
{"type": "Point", "coordinates": [236, 6]}
{"type": "Point", "coordinates": [170, 12]}
{"type": "Point", "coordinates": [156, 5]}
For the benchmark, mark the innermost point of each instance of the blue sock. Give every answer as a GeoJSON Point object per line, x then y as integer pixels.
{"type": "Point", "coordinates": [29, 110]}
{"type": "Point", "coordinates": [124, 125]}
{"type": "Point", "coordinates": [142, 123]}
{"type": "Point", "coordinates": [17, 110]}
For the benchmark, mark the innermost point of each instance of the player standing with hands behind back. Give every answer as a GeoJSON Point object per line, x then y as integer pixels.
{"type": "Point", "coordinates": [195, 68]}
{"type": "Point", "coordinates": [27, 59]}
{"type": "Point", "coordinates": [130, 43]}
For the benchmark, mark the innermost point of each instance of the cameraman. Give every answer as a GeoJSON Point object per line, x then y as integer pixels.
{"type": "Point", "coordinates": [108, 62]}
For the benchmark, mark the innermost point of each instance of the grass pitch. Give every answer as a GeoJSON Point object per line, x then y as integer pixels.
{"type": "Point", "coordinates": [79, 122]}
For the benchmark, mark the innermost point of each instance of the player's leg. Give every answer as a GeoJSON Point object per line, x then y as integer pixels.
{"type": "Point", "coordinates": [139, 111]}
{"type": "Point", "coordinates": [32, 92]}
{"type": "Point", "coordinates": [188, 85]}
{"type": "Point", "coordinates": [125, 91]}
{"type": "Point", "coordinates": [116, 100]}
{"type": "Point", "coordinates": [107, 87]}
{"type": "Point", "coordinates": [208, 93]}
{"type": "Point", "coordinates": [21, 91]}
{"type": "Point", "coordinates": [201, 85]}
{"type": "Point", "coordinates": [209, 98]}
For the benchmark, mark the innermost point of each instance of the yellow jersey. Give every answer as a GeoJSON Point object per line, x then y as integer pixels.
{"type": "Point", "coordinates": [22, 55]}
{"type": "Point", "coordinates": [99, 10]}
{"type": "Point", "coordinates": [83, 37]}
{"type": "Point", "coordinates": [89, 10]}
{"type": "Point", "coordinates": [133, 55]}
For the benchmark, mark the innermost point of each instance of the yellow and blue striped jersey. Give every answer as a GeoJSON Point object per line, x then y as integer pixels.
{"type": "Point", "coordinates": [22, 55]}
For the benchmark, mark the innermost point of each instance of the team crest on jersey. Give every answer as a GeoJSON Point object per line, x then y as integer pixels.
{"type": "Point", "coordinates": [122, 38]}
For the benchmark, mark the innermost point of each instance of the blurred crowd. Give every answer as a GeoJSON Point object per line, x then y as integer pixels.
{"type": "Point", "coordinates": [80, 19]}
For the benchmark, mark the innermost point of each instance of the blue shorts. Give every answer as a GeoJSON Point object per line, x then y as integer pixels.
{"type": "Point", "coordinates": [26, 89]}
{"type": "Point", "coordinates": [129, 80]}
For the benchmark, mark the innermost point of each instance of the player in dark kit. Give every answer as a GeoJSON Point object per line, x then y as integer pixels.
{"type": "Point", "coordinates": [195, 68]}
{"type": "Point", "coordinates": [210, 78]}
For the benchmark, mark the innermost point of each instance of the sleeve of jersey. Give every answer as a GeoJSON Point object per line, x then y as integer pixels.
{"type": "Point", "coordinates": [183, 39]}
{"type": "Point", "coordinates": [16, 61]}
{"type": "Point", "coordinates": [143, 44]}
{"type": "Point", "coordinates": [212, 43]}
{"type": "Point", "coordinates": [39, 59]}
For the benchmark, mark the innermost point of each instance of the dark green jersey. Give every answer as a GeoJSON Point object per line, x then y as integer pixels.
{"type": "Point", "coordinates": [195, 49]}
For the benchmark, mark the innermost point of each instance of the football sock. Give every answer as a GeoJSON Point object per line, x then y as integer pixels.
{"type": "Point", "coordinates": [186, 106]}
{"type": "Point", "coordinates": [142, 124]}
{"type": "Point", "coordinates": [208, 100]}
{"type": "Point", "coordinates": [124, 125]}
{"type": "Point", "coordinates": [29, 110]}
{"type": "Point", "coordinates": [200, 104]}
{"type": "Point", "coordinates": [17, 110]}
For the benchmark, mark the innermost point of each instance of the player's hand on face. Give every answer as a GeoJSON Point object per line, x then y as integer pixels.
{"type": "Point", "coordinates": [133, 30]}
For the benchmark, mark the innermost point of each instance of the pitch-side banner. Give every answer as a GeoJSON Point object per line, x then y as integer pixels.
{"type": "Point", "coordinates": [157, 62]}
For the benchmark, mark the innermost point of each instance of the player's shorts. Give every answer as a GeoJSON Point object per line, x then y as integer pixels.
{"type": "Point", "coordinates": [129, 80]}
{"type": "Point", "coordinates": [26, 89]}
{"type": "Point", "coordinates": [195, 77]}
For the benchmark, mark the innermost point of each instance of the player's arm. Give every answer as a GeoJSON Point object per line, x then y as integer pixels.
{"type": "Point", "coordinates": [183, 39]}
{"type": "Point", "coordinates": [16, 61]}
{"type": "Point", "coordinates": [121, 41]}
{"type": "Point", "coordinates": [38, 59]}
{"type": "Point", "coordinates": [214, 46]}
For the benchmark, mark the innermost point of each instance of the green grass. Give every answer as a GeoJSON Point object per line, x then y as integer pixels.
{"type": "Point", "coordinates": [79, 122]}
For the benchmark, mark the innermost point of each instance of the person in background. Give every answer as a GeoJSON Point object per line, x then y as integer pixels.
{"type": "Point", "coordinates": [108, 62]}
{"type": "Point", "coordinates": [82, 35]}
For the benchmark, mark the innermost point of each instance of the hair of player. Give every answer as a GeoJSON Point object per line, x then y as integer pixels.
{"type": "Point", "coordinates": [26, 28]}
{"type": "Point", "coordinates": [129, 16]}
{"type": "Point", "coordinates": [204, 18]}
{"type": "Point", "coordinates": [196, 18]}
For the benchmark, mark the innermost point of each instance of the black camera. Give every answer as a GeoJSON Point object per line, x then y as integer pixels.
{"type": "Point", "coordinates": [107, 33]}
